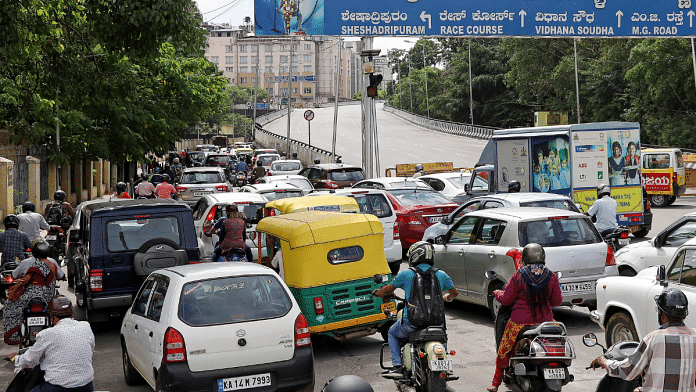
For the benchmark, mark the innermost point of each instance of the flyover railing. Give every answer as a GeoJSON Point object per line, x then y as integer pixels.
{"type": "Point", "coordinates": [453, 128]}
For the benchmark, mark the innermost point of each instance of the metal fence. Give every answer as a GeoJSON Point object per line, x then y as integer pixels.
{"type": "Point", "coordinates": [453, 128]}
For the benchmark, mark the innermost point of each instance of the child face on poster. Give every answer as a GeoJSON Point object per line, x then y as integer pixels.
{"type": "Point", "coordinates": [631, 149]}
{"type": "Point", "coordinates": [564, 164]}
{"type": "Point", "coordinates": [616, 148]}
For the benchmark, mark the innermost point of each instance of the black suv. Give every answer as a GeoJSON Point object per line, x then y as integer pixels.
{"type": "Point", "coordinates": [333, 175]}
{"type": "Point", "coordinates": [115, 244]}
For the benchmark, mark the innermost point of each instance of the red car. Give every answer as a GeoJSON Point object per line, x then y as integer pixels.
{"type": "Point", "coordinates": [416, 209]}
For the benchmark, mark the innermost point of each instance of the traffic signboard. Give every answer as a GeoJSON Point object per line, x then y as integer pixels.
{"type": "Point", "coordinates": [496, 18]}
{"type": "Point", "coordinates": [248, 104]}
{"type": "Point", "coordinates": [265, 100]}
{"type": "Point", "coordinates": [309, 115]}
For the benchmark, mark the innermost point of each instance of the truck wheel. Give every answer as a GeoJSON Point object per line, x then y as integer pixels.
{"type": "Point", "coordinates": [659, 201]}
{"type": "Point", "coordinates": [671, 200]}
{"type": "Point", "coordinates": [620, 328]}
{"type": "Point", "coordinates": [641, 233]}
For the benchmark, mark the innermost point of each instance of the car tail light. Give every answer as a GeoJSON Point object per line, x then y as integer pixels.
{"type": "Point", "coordinates": [516, 255]}
{"type": "Point", "coordinates": [396, 232]}
{"type": "Point", "coordinates": [624, 234]}
{"type": "Point", "coordinates": [36, 307]}
{"type": "Point", "coordinates": [558, 217]}
{"type": "Point", "coordinates": [96, 280]}
{"type": "Point", "coordinates": [302, 332]}
{"type": "Point", "coordinates": [174, 347]}
{"type": "Point", "coordinates": [208, 224]}
{"type": "Point", "coordinates": [269, 174]}
{"type": "Point", "coordinates": [610, 256]}
{"type": "Point", "coordinates": [222, 188]}
{"type": "Point", "coordinates": [330, 184]}
{"type": "Point", "coordinates": [7, 279]}
{"type": "Point", "coordinates": [181, 189]}
{"type": "Point", "coordinates": [318, 306]}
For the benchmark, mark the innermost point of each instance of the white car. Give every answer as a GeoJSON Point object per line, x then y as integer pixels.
{"type": "Point", "coordinates": [449, 184]}
{"type": "Point", "coordinates": [210, 208]}
{"type": "Point", "coordinates": [299, 181]}
{"type": "Point", "coordinates": [274, 191]}
{"type": "Point", "coordinates": [659, 250]}
{"type": "Point", "coordinates": [376, 202]}
{"type": "Point", "coordinates": [392, 183]}
{"type": "Point", "coordinates": [267, 159]}
{"type": "Point", "coordinates": [626, 305]}
{"type": "Point", "coordinates": [222, 326]}
{"type": "Point", "coordinates": [285, 167]}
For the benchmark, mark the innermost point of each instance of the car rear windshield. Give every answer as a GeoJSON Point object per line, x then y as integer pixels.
{"type": "Point", "coordinates": [560, 204]}
{"type": "Point", "coordinates": [131, 234]}
{"type": "Point", "coordinates": [419, 198]}
{"type": "Point", "coordinates": [282, 194]}
{"type": "Point", "coordinates": [285, 166]}
{"type": "Point", "coordinates": [346, 175]}
{"type": "Point", "coordinates": [268, 159]}
{"type": "Point", "coordinates": [201, 178]}
{"type": "Point", "coordinates": [558, 232]}
{"type": "Point", "coordinates": [252, 211]}
{"type": "Point", "coordinates": [299, 182]}
{"type": "Point", "coordinates": [409, 184]}
{"type": "Point", "coordinates": [376, 205]}
{"type": "Point", "coordinates": [233, 300]}
{"type": "Point", "coordinates": [218, 159]}
{"type": "Point", "coordinates": [459, 181]}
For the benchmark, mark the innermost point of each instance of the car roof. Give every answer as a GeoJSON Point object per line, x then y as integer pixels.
{"type": "Point", "coordinates": [332, 166]}
{"type": "Point", "coordinates": [445, 175]}
{"type": "Point", "coordinates": [268, 154]}
{"type": "Point", "coordinates": [286, 177]}
{"type": "Point", "coordinates": [275, 185]}
{"type": "Point", "coordinates": [287, 160]}
{"type": "Point", "coordinates": [114, 204]}
{"type": "Point", "coordinates": [223, 197]}
{"type": "Point", "coordinates": [348, 191]}
{"type": "Point", "coordinates": [217, 270]}
{"type": "Point", "coordinates": [525, 212]}
{"type": "Point", "coordinates": [202, 169]}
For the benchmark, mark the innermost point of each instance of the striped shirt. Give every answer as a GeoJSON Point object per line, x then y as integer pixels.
{"type": "Point", "coordinates": [665, 357]}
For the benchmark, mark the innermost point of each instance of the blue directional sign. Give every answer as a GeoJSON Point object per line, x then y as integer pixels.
{"type": "Point", "coordinates": [261, 106]}
{"type": "Point", "coordinates": [295, 78]}
{"type": "Point", "coordinates": [467, 18]}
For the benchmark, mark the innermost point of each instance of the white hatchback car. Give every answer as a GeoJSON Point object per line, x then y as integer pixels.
{"type": "Point", "coordinates": [285, 167]}
{"type": "Point", "coordinates": [449, 184]}
{"type": "Point", "coordinates": [299, 181]}
{"type": "Point", "coordinates": [210, 208]}
{"type": "Point", "coordinates": [392, 183]}
{"type": "Point", "coordinates": [217, 327]}
{"type": "Point", "coordinates": [274, 191]}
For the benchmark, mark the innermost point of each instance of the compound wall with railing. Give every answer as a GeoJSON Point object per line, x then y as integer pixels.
{"type": "Point", "coordinates": [453, 128]}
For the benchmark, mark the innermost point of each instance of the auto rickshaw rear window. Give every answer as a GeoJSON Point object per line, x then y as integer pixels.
{"type": "Point", "coordinates": [656, 161]}
{"type": "Point", "coordinates": [346, 255]}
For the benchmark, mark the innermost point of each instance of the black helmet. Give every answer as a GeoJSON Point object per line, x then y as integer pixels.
{"type": "Point", "coordinates": [602, 190]}
{"type": "Point", "coordinates": [41, 249]}
{"type": "Point", "coordinates": [259, 163]}
{"type": "Point", "coordinates": [348, 383]}
{"type": "Point", "coordinates": [120, 187]}
{"type": "Point", "coordinates": [60, 306]}
{"type": "Point", "coordinates": [673, 302]}
{"type": "Point", "coordinates": [11, 221]}
{"type": "Point", "coordinates": [28, 206]}
{"type": "Point", "coordinates": [533, 253]}
{"type": "Point", "coordinates": [421, 252]}
{"type": "Point", "coordinates": [165, 177]}
{"type": "Point", "coordinates": [145, 176]}
{"type": "Point", "coordinates": [59, 195]}
{"type": "Point", "coordinates": [232, 207]}
{"type": "Point", "coordinates": [514, 186]}
{"type": "Point", "coordinates": [419, 167]}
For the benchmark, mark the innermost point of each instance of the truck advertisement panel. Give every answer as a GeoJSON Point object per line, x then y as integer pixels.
{"type": "Point", "coordinates": [513, 163]}
{"type": "Point", "coordinates": [551, 168]}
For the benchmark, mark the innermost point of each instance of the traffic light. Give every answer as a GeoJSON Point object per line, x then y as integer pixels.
{"type": "Point", "coordinates": [375, 80]}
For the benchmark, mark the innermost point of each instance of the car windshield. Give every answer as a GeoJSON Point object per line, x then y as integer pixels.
{"type": "Point", "coordinates": [375, 204]}
{"type": "Point", "coordinates": [552, 232]}
{"type": "Point", "coordinates": [282, 194]}
{"type": "Point", "coordinates": [131, 234]}
{"type": "Point", "coordinates": [412, 197]}
{"type": "Point", "coordinates": [285, 166]}
{"type": "Point", "coordinates": [201, 178]}
{"type": "Point", "coordinates": [560, 204]}
{"type": "Point", "coordinates": [459, 181]}
{"type": "Point", "coordinates": [233, 300]}
{"type": "Point", "coordinates": [346, 175]}
{"type": "Point", "coordinates": [299, 182]}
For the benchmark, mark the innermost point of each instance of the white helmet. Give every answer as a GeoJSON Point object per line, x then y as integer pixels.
{"type": "Point", "coordinates": [602, 190]}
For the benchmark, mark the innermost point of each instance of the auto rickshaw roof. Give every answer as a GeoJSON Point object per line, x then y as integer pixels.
{"type": "Point", "coordinates": [331, 203]}
{"type": "Point", "coordinates": [318, 227]}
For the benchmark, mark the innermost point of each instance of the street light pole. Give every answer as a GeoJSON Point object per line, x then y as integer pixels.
{"type": "Point", "coordinates": [256, 89]}
{"type": "Point", "coordinates": [410, 83]}
{"type": "Point", "coordinates": [401, 90]}
{"type": "Point", "coordinates": [425, 73]}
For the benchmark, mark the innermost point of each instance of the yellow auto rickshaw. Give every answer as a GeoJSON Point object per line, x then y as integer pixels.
{"type": "Point", "coordinates": [328, 261]}
{"type": "Point", "coordinates": [330, 203]}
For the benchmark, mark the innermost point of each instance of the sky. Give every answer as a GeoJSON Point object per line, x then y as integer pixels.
{"type": "Point", "coordinates": [234, 11]}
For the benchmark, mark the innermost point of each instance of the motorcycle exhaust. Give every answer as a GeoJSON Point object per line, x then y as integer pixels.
{"type": "Point", "coordinates": [406, 388]}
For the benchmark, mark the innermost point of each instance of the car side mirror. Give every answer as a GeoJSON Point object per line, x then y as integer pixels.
{"type": "Point", "coordinates": [661, 273]}
{"type": "Point", "coordinates": [466, 188]}
{"type": "Point", "coordinates": [440, 240]}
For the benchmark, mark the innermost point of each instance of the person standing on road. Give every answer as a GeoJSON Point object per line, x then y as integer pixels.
{"type": "Point", "coordinates": [532, 291]}
{"type": "Point", "coordinates": [666, 357]}
{"type": "Point", "coordinates": [165, 190]}
{"type": "Point", "coordinates": [31, 222]}
{"type": "Point", "coordinates": [604, 209]}
{"type": "Point", "coordinates": [63, 351]}
{"type": "Point", "coordinates": [13, 242]}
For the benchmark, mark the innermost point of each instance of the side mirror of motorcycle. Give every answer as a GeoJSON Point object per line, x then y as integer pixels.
{"type": "Point", "coordinates": [491, 275]}
{"type": "Point", "coordinates": [378, 278]}
{"type": "Point", "coordinates": [589, 339]}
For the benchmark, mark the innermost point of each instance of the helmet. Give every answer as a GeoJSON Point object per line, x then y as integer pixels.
{"type": "Point", "coordinates": [421, 252]}
{"type": "Point", "coordinates": [59, 195]}
{"type": "Point", "coordinates": [120, 187]}
{"type": "Point", "coordinates": [514, 186]}
{"type": "Point", "coordinates": [231, 208]}
{"type": "Point", "coordinates": [602, 190]}
{"type": "Point", "coordinates": [533, 253]}
{"type": "Point", "coordinates": [11, 221]}
{"type": "Point", "coordinates": [28, 206]}
{"type": "Point", "coordinates": [165, 177]}
{"type": "Point", "coordinates": [41, 249]}
{"type": "Point", "coordinates": [60, 306]}
{"type": "Point", "coordinates": [419, 167]}
{"type": "Point", "coordinates": [259, 163]}
{"type": "Point", "coordinates": [176, 160]}
{"type": "Point", "coordinates": [348, 383]}
{"type": "Point", "coordinates": [673, 302]}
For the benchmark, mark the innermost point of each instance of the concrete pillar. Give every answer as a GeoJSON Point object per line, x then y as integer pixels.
{"type": "Point", "coordinates": [78, 172]}
{"type": "Point", "coordinates": [106, 183]}
{"type": "Point", "coordinates": [34, 179]}
{"type": "Point", "coordinates": [66, 182]}
{"type": "Point", "coordinates": [99, 178]}
{"type": "Point", "coordinates": [91, 185]}
{"type": "Point", "coordinates": [6, 187]}
{"type": "Point", "coordinates": [114, 178]}
{"type": "Point", "coordinates": [52, 181]}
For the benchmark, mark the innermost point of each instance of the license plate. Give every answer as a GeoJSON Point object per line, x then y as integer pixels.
{"type": "Point", "coordinates": [441, 366]}
{"type": "Point", "coordinates": [583, 286]}
{"type": "Point", "coordinates": [51, 237]}
{"type": "Point", "coordinates": [388, 306]}
{"type": "Point", "coordinates": [435, 219]}
{"type": "Point", "coordinates": [32, 321]}
{"type": "Point", "coordinates": [247, 382]}
{"type": "Point", "coordinates": [554, 374]}
{"type": "Point", "coordinates": [202, 193]}
{"type": "Point", "coordinates": [623, 241]}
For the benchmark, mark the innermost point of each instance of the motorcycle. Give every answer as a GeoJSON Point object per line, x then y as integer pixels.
{"type": "Point", "coordinates": [56, 238]}
{"type": "Point", "coordinates": [618, 238]}
{"type": "Point", "coordinates": [6, 280]}
{"type": "Point", "coordinates": [240, 179]}
{"type": "Point", "coordinates": [427, 363]}
{"type": "Point", "coordinates": [35, 319]}
{"type": "Point", "coordinates": [619, 352]}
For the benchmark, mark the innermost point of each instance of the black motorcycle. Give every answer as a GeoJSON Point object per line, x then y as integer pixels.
{"type": "Point", "coordinates": [35, 319]}
{"type": "Point", "coordinates": [6, 279]}
{"type": "Point", "coordinates": [618, 238]}
{"type": "Point", "coordinates": [618, 352]}
{"type": "Point", "coordinates": [56, 238]}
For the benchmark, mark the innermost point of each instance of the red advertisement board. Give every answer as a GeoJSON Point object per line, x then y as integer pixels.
{"type": "Point", "coordinates": [657, 182]}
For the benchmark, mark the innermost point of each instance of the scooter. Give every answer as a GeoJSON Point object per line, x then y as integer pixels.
{"type": "Point", "coordinates": [618, 238]}
{"type": "Point", "coordinates": [618, 352]}
{"type": "Point", "coordinates": [240, 179]}
{"type": "Point", "coordinates": [427, 362]}
{"type": "Point", "coordinates": [54, 238]}
{"type": "Point", "coordinates": [6, 280]}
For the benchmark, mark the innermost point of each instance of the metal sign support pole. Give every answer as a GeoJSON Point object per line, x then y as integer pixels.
{"type": "Point", "coordinates": [309, 133]}
{"type": "Point", "coordinates": [338, 77]}
{"type": "Point", "coordinates": [693, 57]}
{"type": "Point", "coordinates": [577, 85]}
{"type": "Point", "coordinates": [471, 89]}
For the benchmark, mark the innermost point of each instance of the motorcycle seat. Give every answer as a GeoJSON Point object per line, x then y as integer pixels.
{"type": "Point", "coordinates": [542, 329]}
{"type": "Point", "coordinates": [428, 334]}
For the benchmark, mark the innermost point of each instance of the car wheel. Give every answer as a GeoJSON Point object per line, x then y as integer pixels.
{"type": "Point", "coordinates": [659, 201]}
{"type": "Point", "coordinates": [493, 303]}
{"type": "Point", "coordinates": [620, 328]}
{"type": "Point", "coordinates": [129, 373]}
{"type": "Point", "coordinates": [641, 233]}
{"type": "Point", "coordinates": [628, 271]}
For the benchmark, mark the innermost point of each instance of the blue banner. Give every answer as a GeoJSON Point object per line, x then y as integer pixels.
{"type": "Point", "coordinates": [494, 18]}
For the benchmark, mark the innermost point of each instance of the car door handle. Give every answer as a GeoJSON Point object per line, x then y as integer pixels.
{"type": "Point", "coordinates": [461, 253]}
{"type": "Point", "coordinates": [491, 254]}
{"type": "Point", "coordinates": [136, 326]}
{"type": "Point", "coordinates": [151, 334]}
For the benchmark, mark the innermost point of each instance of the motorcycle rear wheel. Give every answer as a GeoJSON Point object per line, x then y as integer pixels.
{"type": "Point", "coordinates": [434, 383]}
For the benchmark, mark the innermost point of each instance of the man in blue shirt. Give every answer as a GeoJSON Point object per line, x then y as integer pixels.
{"type": "Point", "coordinates": [242, 166]}
{"type": "Point", "coordinates": [420, 255]}
{"type": "Point", "coordinates": [13, 242]}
